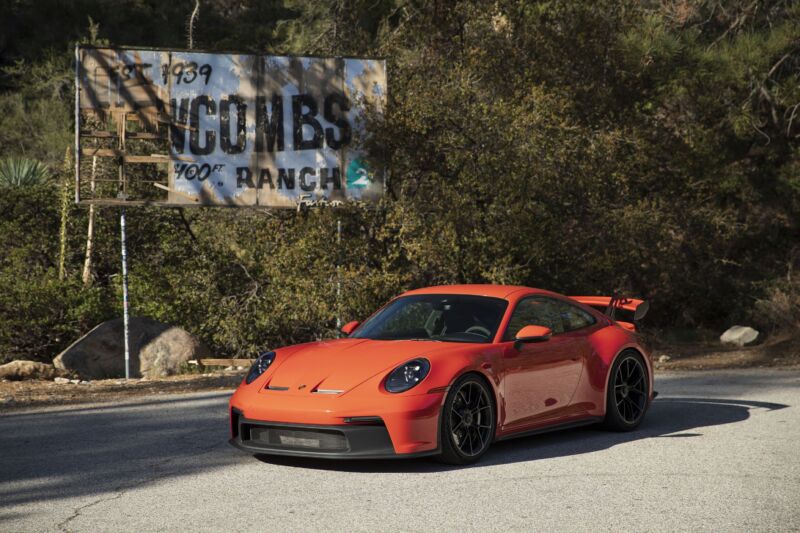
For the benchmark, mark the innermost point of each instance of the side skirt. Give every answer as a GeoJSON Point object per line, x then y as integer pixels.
{"type": "Point", "coordinates": [556, 427]}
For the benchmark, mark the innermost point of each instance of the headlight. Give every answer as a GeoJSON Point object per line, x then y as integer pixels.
{"type": "Point", "coordinates": [407, 375]}
{"type": "Point", "coordinates": [260, 366]}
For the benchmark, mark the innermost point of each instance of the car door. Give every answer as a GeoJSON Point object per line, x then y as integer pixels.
{"type": "Point", "coordinates": [541, 377]}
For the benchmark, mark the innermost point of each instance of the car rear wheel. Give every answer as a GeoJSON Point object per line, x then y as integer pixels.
{"type": "Point", "coordinates": [628, 392]}
{"type": "Point", "coordinates": [467, 424]}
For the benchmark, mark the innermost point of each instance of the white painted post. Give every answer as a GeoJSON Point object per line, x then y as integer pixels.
{"type": "Point", "coordinates": [125, 316]}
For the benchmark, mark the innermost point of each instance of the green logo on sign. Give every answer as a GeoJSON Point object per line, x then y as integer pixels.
{"type": "Point", "coordinates": [357, 175]}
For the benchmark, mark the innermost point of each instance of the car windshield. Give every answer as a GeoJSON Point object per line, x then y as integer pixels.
{"type": "Point", "coordinates": [437, 317]}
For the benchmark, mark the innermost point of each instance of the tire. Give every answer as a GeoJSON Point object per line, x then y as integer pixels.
{"type": "Point", "coordinates": [468, 421]}
{"type": "Point", "coordinates": [627, 393]}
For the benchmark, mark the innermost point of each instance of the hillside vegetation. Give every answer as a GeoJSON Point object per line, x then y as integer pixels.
{"type": "Point", "coordinates": [585, 147]}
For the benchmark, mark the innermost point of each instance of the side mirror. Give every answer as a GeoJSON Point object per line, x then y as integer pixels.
{"type": "Point", "coordinates": [641, 310]}
{"type": "Point", "coordinates": [348, 328]}
{"type": "Point", "coordinates": [534, 334]}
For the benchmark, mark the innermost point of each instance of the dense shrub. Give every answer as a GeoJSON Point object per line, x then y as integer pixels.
{"type": "Point", "coordinates": [585, 147]}
{"type": "Point", "coordinates": [779, 309]}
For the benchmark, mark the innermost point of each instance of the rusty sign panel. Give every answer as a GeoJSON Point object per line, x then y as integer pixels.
{"type": "Point", "coordinates": [198, 128]}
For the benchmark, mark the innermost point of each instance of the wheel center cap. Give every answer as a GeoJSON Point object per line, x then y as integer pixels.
{"type": "Point", "coordinates": [468, 418]}
{"type": "Point", "coordinates": [625, 391]}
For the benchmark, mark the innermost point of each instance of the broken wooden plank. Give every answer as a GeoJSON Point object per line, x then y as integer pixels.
{"type": "Point", "coordinates": [102, 152]}
{"type": "Point", "coordinates": [129, 135]}
{"type": "Point", "coordinates": [99, 134]}
{"type": "Point", "coordinates": [153, 159]}
{"type": "Point", "coordinates": [180, 193]}
{"type": "Point", "coordinates": [145, 135]}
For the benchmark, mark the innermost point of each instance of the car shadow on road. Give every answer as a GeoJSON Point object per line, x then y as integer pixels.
{"type": "Point", "coordinates": [667, 418]}
{"type": "Point", "coordinates": [101, 450]}
{"type": "Point", "coordinates": [105, 451]}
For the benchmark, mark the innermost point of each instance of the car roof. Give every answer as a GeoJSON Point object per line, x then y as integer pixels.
{"type": "Point", "coordinates": [496, 291]}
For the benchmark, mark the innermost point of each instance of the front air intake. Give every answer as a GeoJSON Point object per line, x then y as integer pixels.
{"type": "Point", "coordinates": [298, 439]}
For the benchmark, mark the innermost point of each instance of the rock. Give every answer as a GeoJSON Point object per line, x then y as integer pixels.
{"type": "Point", "coordinates": [18, 370]}
{"type": "Point", "coordinates": [61, 380]}
{"type": "Point", "coordinates": [74, 381]}
{"type": "Point", "coordinates": [156, 349]}
{"type": "Point", "coordinates": [739, 335]}
{"type": "Point", "coordinates": [170, 350]}
{"type": "Point", "coordinates": [664, 358]}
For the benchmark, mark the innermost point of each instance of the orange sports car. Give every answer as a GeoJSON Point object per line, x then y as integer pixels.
{"type": "Point", "coordinates": [447, 371]}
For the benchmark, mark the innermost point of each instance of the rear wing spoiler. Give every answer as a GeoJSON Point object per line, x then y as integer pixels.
{"type": "Point", "coordinates": [610, 304]}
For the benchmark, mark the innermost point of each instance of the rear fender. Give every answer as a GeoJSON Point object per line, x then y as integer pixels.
{"type": "Point", "coordinates": [608, 343]}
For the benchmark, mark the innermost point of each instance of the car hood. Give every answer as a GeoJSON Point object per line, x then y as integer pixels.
{"type": "Point", "coordinates": [338, 366]}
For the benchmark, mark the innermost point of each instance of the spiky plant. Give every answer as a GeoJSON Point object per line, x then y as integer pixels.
{"type": "Point", "coordinates": [22, 172]}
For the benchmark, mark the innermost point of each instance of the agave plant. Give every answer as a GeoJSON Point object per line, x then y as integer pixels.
{"type": "Point", "coordinates": [22, 172]}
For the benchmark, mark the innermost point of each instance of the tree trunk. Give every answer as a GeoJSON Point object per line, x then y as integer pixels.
{"type": "Point", "coordinates": [64, 216]}
{"type": "Point", "coordinates": [87, 263]}
{"type": "Point", "coordinates": [190, 25]}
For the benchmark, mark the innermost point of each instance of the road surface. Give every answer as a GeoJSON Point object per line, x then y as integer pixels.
{"type": "Point", "coordinates": [718, 452]}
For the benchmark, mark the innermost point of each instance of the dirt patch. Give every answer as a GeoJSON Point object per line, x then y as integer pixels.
{"type": "Point", "coordinates": [776, 352]}
{"type": "Point", "coordinates": [19, 394]}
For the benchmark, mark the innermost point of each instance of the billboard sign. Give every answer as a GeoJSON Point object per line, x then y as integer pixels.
{"type": "Point", "coordinates": [202, 128]}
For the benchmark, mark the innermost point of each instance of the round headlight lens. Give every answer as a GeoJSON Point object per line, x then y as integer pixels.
{"type": "Point", "coordinates": [406, 376]}
{"type": "Point", "coordinates": [260, 366]}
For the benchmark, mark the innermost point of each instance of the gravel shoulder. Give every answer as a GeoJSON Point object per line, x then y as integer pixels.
{"type": "Point", "coordinates": [777, 352]}
{"type": "Point", "coordinates": [15, 395]}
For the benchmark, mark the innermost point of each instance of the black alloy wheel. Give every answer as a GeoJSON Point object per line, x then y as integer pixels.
{"type": "Point", "coordinates": [628, 392]}
{"type": "Point", "coordinates": [468, 421]}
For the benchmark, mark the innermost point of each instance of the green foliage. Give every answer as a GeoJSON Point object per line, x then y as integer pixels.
{"type": "Point", "coordinates": [22, 172]}
{"type": "Point", "coordinates": [584, 147]}
{"type": "Point", "coordinates": [41, 315]}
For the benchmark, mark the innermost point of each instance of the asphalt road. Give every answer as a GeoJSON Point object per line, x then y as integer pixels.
{"type": "Point", "coordinates": [719, 452]}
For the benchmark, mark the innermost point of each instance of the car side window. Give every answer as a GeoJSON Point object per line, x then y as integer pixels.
{"type": "Point", "coordinates": [573, 317]}
{"type": "Point", "coordinates": [534, 312]}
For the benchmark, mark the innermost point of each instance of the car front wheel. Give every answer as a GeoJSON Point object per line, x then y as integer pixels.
{"type": "Point", "coordinates": [468, 421]}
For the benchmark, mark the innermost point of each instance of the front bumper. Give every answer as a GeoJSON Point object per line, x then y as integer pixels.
{"type": "Point", "coordinates": [410, 421]}
{"type": "Point", "coordinates": [369, 440]}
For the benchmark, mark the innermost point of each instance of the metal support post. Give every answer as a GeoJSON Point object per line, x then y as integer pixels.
{"type": "Point", "coordinates": [125, 314]}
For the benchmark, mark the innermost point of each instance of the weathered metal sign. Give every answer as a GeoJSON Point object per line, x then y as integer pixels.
{"type": "Point", "coordinates": [224, 129]}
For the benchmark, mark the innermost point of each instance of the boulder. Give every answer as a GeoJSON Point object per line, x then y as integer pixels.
{"type": "Point", "coordinates": [156, 349]}
{"type": "Point", "coordinates": [165, 354]}
{"type": "Point", "coordinates": [739, 335]}
{"type": "Point", "coordinates": [19, 370]}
